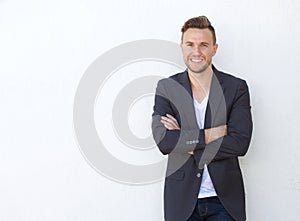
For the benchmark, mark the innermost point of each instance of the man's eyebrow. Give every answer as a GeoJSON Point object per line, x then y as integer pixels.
{"type": "Point", "coordinates": [191, 42]}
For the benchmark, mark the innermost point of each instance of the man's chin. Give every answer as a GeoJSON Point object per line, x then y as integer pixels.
{"type": "Point", "coordinates": [199, 70]}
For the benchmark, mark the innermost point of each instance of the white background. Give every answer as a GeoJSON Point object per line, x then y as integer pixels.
{"type": "Point", "coordinates": [45, 47]}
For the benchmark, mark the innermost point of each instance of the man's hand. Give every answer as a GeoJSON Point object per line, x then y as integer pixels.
{"type": "Point", "coordinates": [170, 122]}
{"type": "Point", "coordinates": [215, 133]}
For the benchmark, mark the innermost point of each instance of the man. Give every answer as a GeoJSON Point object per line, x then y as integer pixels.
{"type": "Point", "coordinates": [202, 121]}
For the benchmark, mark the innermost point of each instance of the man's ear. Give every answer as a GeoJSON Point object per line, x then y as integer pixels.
{"type": "Point", "coordinates": [215, 49]}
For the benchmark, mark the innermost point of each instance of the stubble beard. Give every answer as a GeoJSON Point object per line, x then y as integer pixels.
{"type": "Point", "coordinates": [198, 70]}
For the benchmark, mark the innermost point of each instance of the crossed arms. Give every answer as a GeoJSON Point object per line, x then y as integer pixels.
{"type": "Point", "coordinates": [233, 138]}
{"type": "Point", "coordinates": [211, 134]}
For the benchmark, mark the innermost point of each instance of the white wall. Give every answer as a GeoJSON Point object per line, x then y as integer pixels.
{"type": "Point", "coordinates": [46, 46]}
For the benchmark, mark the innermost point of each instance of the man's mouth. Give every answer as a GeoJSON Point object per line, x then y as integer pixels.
{"type": "Point", "coordinates": [196, 60]}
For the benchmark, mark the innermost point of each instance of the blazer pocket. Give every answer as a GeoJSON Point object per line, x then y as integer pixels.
{"type": "Point", "coordinates": [178, 175]}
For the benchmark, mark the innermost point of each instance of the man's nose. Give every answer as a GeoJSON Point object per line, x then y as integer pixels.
{"type": "Point", "coordinates": [197, 50]}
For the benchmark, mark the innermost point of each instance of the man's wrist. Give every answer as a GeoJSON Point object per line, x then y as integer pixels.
{"type": "Point", "coordinates": [215, 133]}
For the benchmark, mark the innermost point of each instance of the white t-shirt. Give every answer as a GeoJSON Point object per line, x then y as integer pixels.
{"type": "Point", "coordinates": [207, 188]}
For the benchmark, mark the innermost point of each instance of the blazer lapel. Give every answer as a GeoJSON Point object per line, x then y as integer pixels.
{"type": "Point", "coordinates": [216, 106]}
{"type": "Point", "coordinates": [185, 82]}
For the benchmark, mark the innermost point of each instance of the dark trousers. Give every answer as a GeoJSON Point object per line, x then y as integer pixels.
{"type": "Point", "coordinates": [210, 209]}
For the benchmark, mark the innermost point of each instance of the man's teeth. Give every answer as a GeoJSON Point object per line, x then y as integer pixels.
{"type": "Point", "coordinates": [197, 60]}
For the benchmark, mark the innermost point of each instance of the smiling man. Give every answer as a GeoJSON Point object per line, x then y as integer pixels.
{"type": "Point", "coordinates": [202, 121]}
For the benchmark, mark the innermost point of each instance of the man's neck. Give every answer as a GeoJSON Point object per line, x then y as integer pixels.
{"type": "Point", "coordinates": [201, 81]}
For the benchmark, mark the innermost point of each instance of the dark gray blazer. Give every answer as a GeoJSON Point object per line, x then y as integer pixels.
{"type": "Point", "coordinates": [228, 103]}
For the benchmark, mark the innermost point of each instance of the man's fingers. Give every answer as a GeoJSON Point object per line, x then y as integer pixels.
{"type": "Point", "coordinates": [171, 117]}
{"type": "Point", "coordinates": [173, 120]}
{"type": "Point", "coordinates": [169, 125]}
{"type": "Point", "coordinates": [170, 122]}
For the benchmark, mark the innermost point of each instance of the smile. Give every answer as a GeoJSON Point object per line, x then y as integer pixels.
{"type": "Point", "coordinates": [196, 60]}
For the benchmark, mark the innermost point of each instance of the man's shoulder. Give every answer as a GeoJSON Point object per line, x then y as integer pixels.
{"type": "Point", "coordinates": [178, 77]}
{"type": "Point", "coordinates": [227, 77]}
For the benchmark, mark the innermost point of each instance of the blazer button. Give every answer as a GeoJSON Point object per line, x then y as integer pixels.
{"type": "Point", "coordinates": [198, 175]}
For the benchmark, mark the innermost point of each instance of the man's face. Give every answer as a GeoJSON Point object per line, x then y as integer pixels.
{"type": "Point", "coordinates": [198, 49]}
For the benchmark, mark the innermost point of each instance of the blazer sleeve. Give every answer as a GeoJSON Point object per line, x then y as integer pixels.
{"type": "Point", "coordinates": [172, 141]}
{"type": "Point", "coordinates": [239, 127]}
